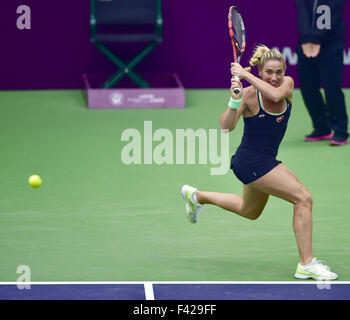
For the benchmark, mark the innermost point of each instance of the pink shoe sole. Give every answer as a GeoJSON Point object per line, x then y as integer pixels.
{"type": "Point", "coordinates": [338, 143]}
{"type": "Point", "coordinates": [320, 138]}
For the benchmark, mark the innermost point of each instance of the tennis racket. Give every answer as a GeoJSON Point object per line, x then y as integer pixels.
{"type": "Point", "coordinates": [237, 35]}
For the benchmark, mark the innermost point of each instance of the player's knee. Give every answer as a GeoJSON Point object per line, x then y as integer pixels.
{"type": "Point", "coordinates": [253, 215]}
{"type": "Point", "coordinates": [308, 198]}
{"type": "Point", "coordinates": [304, 198]}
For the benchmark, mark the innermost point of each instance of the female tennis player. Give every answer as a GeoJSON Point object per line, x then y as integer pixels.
{"type": "Point", "coordinates": [265, 106]}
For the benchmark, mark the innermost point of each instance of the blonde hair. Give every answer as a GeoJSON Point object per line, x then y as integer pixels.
{"type": "Point", "coordinates": [261, 54]}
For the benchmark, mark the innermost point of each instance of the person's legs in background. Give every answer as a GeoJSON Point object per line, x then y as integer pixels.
{"type": "Point", "coordinates": [310, 83]}
{"type": "Point", "coordinates": [331, 70]}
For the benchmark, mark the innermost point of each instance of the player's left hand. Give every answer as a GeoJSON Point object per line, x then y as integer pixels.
{"type": "Point", "coordinates": [237, 70]}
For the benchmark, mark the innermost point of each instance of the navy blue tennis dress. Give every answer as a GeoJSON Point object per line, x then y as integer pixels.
{"type": "Point", "coordinates": [263, 133]}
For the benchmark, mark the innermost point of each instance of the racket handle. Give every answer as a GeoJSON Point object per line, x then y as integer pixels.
{"type": "Point", "coordinates": [237, 90]}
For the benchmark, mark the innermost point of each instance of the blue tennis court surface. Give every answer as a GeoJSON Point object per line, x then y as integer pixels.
{"type": "Point", "coordinates": [252, 292]}
{"type": "Point", "coordinates": [176, 291]}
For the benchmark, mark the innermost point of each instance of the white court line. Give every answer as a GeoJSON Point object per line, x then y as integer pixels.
{"type": "Point", "coordinates": [311, 282]}
{"type": "Point", "coordinates": [149, 291]}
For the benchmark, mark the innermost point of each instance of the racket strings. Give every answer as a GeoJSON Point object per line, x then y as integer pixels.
{"type": "Point", "coordinates": [237, 30]}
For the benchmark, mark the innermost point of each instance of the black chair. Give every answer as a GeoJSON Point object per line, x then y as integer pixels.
{"type": "Point", "coordinates": [131, 21]}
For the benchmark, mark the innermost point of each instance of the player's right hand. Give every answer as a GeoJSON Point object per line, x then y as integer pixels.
{"type": "Point", "coordinates": [235, 83]}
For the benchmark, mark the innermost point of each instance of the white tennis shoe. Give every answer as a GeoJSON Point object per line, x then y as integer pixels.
{"type": "Point", "coordinates": [315, 270]}
{"type": "Point", "coordinates": [192, 207]}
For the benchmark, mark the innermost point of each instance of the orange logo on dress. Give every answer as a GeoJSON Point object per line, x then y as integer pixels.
{"type": "Point", "coordinates": [279, 119]}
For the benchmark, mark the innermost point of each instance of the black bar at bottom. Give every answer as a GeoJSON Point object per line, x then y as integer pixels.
{"type": "Point", "coordinates": [173, 309]}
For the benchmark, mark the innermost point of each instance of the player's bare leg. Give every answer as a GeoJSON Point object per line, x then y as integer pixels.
{"type": "Point", "coordinates": [249, 206]}
{"type": "Point", "coordinates": [282, 183]}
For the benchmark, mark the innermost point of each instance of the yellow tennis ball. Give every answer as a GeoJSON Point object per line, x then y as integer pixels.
{"type": "Point", "coordinates": [35, 181]}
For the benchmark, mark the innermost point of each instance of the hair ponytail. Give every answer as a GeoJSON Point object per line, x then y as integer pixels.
{"type": "Point", "coordinates": [261, 54]}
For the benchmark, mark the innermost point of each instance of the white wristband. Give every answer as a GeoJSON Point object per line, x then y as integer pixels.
{"type": "Point", "coordinates": [234, 104]}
